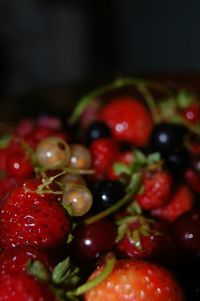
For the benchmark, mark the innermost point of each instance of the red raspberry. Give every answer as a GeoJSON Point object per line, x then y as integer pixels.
{"type": "Point", "coordinates": [129, 120]}
{"type": "Point", "coordinates": [157, 189]}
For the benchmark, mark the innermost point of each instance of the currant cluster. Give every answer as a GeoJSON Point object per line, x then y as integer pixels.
{"type": "Point", "coordinates": [108, 212]}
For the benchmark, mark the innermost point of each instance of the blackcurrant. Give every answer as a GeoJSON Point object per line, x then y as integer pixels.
{"type": "Point", "coordinates": [107, 193]}
{"type": "Point", "coordinates": [178, 161]}
{"type": "Point", "coordinates": [96, 130]}
{"type": "Point", "coordinates": [166, 137]}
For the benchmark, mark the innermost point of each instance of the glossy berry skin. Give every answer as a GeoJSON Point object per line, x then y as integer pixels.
{"type": "Point", "coordinates": [93, 240]}
{"type": "Point", "coordinates": [22, 287]}
{"type": "Point", "coordinates": [129, 120]}
{"type": "Point", "coordinates": [107, 193]}
{"type": "Point", "coordinates": [19, 165]}
{"type": "Point", "coordinates": [157, 188]}
{"type": "Point", "coordinates": [29, 218]}
{"type": "Point", "coordinates": [157, 244]}
{"type": "Point", "coordinates": [97, 130]}
{"type": "Point", "coordinates": [15, 260]}
{"type": "Point", "coordinates": [186, 232]}
{"type": "Point", "coordinates": [166, 137]}
{"type": "Point", "coordinates": [180, 202]}
{"type": "Point", "coordinates": [104, 152]}
{"type": "Point", "coordinates": [134, 280]}
{"type": "Point", "coordinates": [192, 113]}
{"type": "Point", "coordinates": [6, 186]}
{"type": "Point", "coordinates": [53, 153]}
{"type": "Point", "coordinates": [178, 161]}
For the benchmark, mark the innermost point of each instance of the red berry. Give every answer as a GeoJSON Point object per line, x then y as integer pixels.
{"type": "Point", "coordinates": [22, 287]}
{"type": "Point", "coordinates": [92, 241]}
{"type": "Point", "coordinates": [180, 202]}
{"type": "Point", "coordinates": [192, 179]}
{"type": "Point", "coordinates": [104, 152]}
{"type": "Point", "coordinates": [136, 280]}
{"type": "Point", "coordinates": [15, 260]}
{"type": "Point", "coordinates": [157, 188]}
{"type": "Point", "coordinates": [192, 113]}
{"type": "Point", "coordinates": [186, 232]}
{"type": "Point", "coordinates": [29, 218]}
{"type": "Point", "coordinates": [129, 120]}
{"type": "Point", "coordinates": [144, 239]}
{"type": "Point", "coordinates": [19, 165]}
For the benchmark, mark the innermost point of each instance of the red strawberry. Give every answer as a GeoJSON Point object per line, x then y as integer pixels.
{"type": "Point", "coordinates": [143, 238]}
{"type": "Point", "coordinates": [180, 202]}
{"type": "Point", "coordinates": [16, 259]}
{"type": "Point", "coordinates": [136, 281]}
{"type": "Point", "coordinates": [29, 218]}
{"type": "Point", "coordinates": [157, 188]}
{"type": "Point", "coordinates": [22, 287]}
{"type": "Point", "coordinates": [129, 120]}
{"type": "Point", "coordinates": [6, 186]}
{"type": "Point", "coordinates": [124, 157]}
{"type": "Point", "coordinates": [104, 152]}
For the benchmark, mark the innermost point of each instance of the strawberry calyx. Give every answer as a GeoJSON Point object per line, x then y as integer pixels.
{"type": "Point", "coordinates": [110, 261]}
{"type": "Point", "coordinates": [134, 227]}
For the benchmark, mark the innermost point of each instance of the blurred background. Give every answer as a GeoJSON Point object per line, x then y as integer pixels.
{"type": "Point", "coordinates": [45, 43]}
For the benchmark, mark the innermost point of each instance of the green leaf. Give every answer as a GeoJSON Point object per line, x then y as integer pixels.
{"type": "Point", "coordinates": [184, 98]}
{"type": "Point", "coordinates": [121, 168]}
{"type": "Point", "coordinates": [153, 158]}
{"type": "Point", "coordinates": [139, 157]}
{"type": "Point", "coordinates": [38, 269]}
{"type": "Point", "coordinates": [60, 271]}
{"type": "Point", "coordinates": [4, 140]}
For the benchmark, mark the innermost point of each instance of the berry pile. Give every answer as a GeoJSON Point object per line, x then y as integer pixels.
{"type": "Point", "coordinates": [107, 209]}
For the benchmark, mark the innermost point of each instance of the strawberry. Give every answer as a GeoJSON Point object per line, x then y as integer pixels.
{"type": "Point", "coordinates": [128, 119]}
{"type": "Point", "coordinates": [123, 157]}
{"type": "Point", "coordinates": [180, 202]}
{"type": "Point", "coordinates": [15, 260]}
{"type": "Point", "coordinates": [7, 183]}
{"type": "Point", "coordinates": [30, 218]}
{"type": "Point", "coordinates": [142, 238]}
{"type": "Point", "coordinates": [22, 287]}
{"type": "Point", "coordinates": [104, 152]}
{"type": "Point", "coordinates": [157, 188]}
{"type": "Point", "coordinates": [136, 281]}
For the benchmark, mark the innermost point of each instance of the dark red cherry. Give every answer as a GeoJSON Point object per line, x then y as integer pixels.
{"type": "Point", "coordinates": [93, 240]}
{"type": "Point", "coordinates": [187, 232]}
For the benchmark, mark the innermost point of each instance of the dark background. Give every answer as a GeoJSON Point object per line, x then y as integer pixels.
{"type": "Point", "coordinates": [46, 43]}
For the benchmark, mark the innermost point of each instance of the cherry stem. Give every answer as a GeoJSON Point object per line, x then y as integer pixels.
{"type": "Point", "coordinates": [109, 266]}
{"type": "Point", "coordinates": [118, 205]}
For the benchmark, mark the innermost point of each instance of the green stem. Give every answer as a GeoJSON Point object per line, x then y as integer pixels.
{"type": "Point", "coordinates": [119, 83]}
{"type": "Point", "coordinates": [109, 265]}
{"type": "Point", "coordinates": [150, 102]}
{"type": "Point", "coordinates": [116, 206]}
